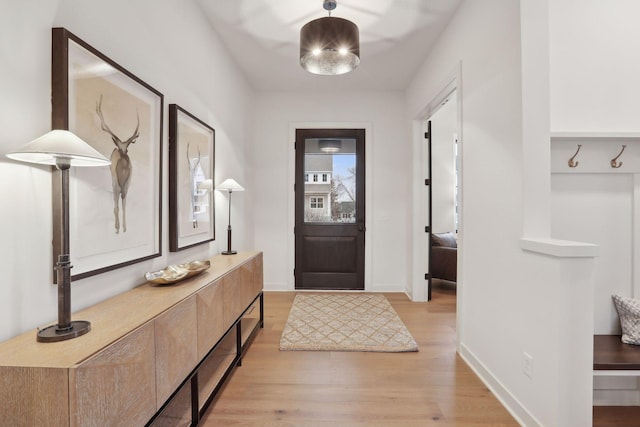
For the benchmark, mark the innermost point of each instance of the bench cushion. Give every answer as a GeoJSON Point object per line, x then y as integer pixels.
{"type": "Point", "coordinates": [629, 313]}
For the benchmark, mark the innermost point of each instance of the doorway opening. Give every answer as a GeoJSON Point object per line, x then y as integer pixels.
{"type": "Point", "coordinates": [329, 209]}
{"type": "Point", "coordinates": [443, 164]}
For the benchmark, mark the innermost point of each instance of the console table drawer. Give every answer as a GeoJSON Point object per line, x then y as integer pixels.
{"type": "Point", "coordinates": [211, 325]}
{"type": "Point", "coordinates": [33, 396]}
{"type": "Point", "coordinates": [241, 287]}
{"type": "Point", "coordinates": [117, 386]}
{"type": "Point", "coordinates": [176, 347]}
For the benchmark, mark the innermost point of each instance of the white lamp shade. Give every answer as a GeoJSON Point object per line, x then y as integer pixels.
{"type": "Point", "coordinates": [230, 185]}
{"type": "Point", "coordinates": [59, 145]}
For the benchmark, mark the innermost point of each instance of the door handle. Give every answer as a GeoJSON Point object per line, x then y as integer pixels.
{"type": "Point", "coordinates": [361, 227]}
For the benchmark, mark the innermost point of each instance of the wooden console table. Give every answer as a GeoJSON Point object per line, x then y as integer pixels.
{"type": "Point", "coordinates": [156, 355]}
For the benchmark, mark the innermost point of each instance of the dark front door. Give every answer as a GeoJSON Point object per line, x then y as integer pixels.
{"type": "Point", "coordinates": [330, 205]}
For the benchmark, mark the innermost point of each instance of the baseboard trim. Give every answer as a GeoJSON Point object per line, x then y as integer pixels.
{"type": "Point", "coordinates": [511, 404]}
{"type": "Point", "coordinates": [276, 287]}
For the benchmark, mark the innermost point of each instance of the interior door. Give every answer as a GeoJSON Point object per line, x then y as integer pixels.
{"type": "Point", "coordinates": [330, 209]}
{"type": "Point", "coordinates": [429, 226]}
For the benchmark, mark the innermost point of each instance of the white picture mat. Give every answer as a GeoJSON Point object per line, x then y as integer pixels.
{"type": "Point", "coordinates": [195, 150]}
{"type": "Point", "coordinates": [94, 241]}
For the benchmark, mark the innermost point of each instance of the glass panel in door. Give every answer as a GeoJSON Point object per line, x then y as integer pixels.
{"type": "Point", "coordinates": [330, 180]}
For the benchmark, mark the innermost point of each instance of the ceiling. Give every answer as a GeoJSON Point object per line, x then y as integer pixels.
{"type": "Point", "coordinates": [263, 36]}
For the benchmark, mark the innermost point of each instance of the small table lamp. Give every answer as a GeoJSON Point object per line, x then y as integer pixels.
{"type": "Point", "coordinates": [229, 185]}
{"type": "Point", "coordinates": [62, 149]}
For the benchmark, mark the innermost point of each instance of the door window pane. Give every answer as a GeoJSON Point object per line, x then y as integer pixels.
{"type": "Point", "coordinates": [331, 191]}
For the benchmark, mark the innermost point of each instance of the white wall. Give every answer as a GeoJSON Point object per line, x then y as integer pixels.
{"type": "Point", "coordinates": [595, 88]}
{"type": "Point", "coordinates": [167, 44]}
{"type": "Point", "coordinates": [599, 208]}
{"type": "Point", "coordinates": [512, 301]}
{"type": "Point", "coordinates": [388, 176]}
{"type": "Point", "coordinates": [594, 65]}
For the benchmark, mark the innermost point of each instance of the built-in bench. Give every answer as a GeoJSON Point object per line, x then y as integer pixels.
{"type": "Point", "coordinates": [612, 357]}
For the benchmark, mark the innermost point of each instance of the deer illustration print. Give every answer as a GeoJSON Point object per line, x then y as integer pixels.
{"type": "Point", "coordinates": [121, 168]}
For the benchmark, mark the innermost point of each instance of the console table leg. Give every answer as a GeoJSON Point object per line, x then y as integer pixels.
{"type": "Point", "coordinates": [261, 310]}
{"type": "Point", "coordinates": [239, 342]}
{"type": "Point", "coordinates": [195, 401]}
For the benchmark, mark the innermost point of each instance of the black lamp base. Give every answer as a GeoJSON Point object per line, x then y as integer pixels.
{"type": "Point", "coordinates": [54, 334]}
{"type": "Point", "coordinates": [229, 251]}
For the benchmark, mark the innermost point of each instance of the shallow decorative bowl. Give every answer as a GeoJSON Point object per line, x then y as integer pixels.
{"type": "Point", "coordinates": [175, 273]}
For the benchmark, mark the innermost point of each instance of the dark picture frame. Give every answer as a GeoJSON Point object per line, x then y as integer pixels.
{"type": "Point", "coordinates": [116, 211]}
{"type": "Point", "coordinates": [191, 173]}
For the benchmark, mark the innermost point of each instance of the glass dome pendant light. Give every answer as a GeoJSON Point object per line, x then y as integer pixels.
{"type": "Point", "coordinates": [329, 45]}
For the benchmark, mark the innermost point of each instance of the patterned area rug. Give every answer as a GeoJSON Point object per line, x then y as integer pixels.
{"type": "Point", "coordinates": [345, 322]}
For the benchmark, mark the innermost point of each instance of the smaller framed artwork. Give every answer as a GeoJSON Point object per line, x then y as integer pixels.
{"type": "Point", "coordinates": [191, 172]}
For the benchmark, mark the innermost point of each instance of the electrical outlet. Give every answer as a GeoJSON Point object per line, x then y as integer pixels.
{"type": "Point", "coordinates": [527, 364]}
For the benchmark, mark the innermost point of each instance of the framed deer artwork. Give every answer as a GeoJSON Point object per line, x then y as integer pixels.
{"type": "Point", "coordinates": [115, 211]}
{"type": "Point", "coordinates": [191, 172]}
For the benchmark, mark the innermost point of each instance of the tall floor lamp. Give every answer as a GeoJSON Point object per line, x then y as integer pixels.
{"type": "Point", "coordinates": [229, 185]}
{"type": "Point", "coordinates": [62, 149]}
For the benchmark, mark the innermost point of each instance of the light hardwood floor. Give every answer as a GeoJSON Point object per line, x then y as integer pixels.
{"type": "Point", "coordinates": [432, 387]}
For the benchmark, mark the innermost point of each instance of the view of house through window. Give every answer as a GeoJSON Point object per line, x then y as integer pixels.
{"type": "Point", "coordinates": [330, 180]}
